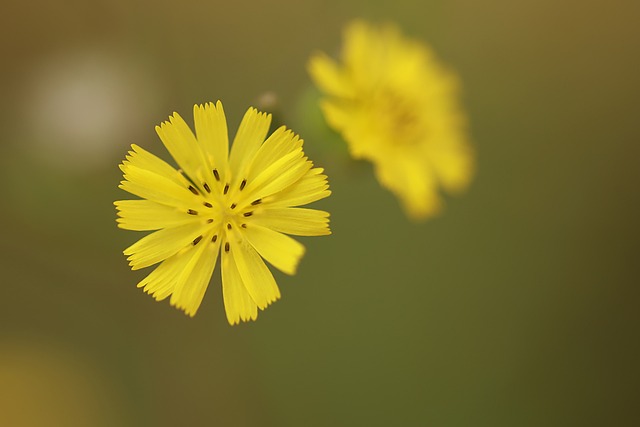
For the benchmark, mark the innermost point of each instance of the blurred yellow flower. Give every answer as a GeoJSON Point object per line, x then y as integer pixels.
{"type": "Point", "coordinates": [238, 203]}
{"type": "Point", "coordinates": [396, 106]}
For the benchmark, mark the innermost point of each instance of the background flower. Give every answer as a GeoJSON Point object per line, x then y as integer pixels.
{"type": "Point", "coordinates": [397, 107]}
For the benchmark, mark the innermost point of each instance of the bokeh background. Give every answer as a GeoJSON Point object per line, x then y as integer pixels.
{"type": "Point", "coordinates": [518, 306]}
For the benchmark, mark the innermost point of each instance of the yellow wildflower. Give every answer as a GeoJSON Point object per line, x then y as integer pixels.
{"type": "Point", "coordinates": [236, 203]}
{"type": "Point", "coordinates": [396, 106]}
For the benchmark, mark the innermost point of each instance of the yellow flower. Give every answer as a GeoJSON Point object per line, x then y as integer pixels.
{"type": "Point", "coordinates": [238, 203]}
{"type": "Point", "coordinates": [397, 107]}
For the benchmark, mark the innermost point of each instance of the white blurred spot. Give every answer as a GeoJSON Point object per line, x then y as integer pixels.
{"type": "Point", "coordinates": [82, 107]}
{"type": "Point", "coordinates": [268, 101]}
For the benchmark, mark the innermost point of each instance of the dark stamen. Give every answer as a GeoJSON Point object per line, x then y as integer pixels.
{"type": "Point", "coordinates": [226, 189]}
{"type": "Point", "coordinates": [206, 187]}
{"type": "Point", "coordinates": [216, 174]}
{"type": "Point", "coordinates": [244, 226]}
{"type": "Point", "coordinates": [242, 184]}
{"type": "Point", "coordinates": [256, 202]}
{"type": "Point", "coordinates": [214, 238]}
{"type": "Point", "coordinates": [196, 240]}
{"type": "Point", "coordinates": [229, 226]}
{"type": "Point", "coordinates": [209, 221]}
{"type": "Point", "coordinates": [247, 213]}
{"type": "Point", "coordinates": [226, 247]}
{"type": "Point", "coordinates": [193, 190]}
{"type": "Point", "coordinates": [207, 204]}
{"type": "Point", "coordinates": [192, 212]}
{"type": "Point", "coordinates": [233, 206]}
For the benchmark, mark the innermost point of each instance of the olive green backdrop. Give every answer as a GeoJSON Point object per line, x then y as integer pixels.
{"type": "Point", "coordinates": [518, 306]}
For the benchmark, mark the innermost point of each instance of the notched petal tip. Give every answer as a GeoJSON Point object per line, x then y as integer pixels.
{"type": "Point", "coordinates": [238, 319]}
{"type": "Point", "coordinates": [120, 224]}
{"type": "Point", "coordinates": [189, 312]}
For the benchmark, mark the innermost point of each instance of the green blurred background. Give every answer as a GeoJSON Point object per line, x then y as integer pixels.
{"type": "Point", "coordinates": [518, 306]}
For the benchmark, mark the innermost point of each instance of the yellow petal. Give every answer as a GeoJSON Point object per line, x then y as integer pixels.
{"type": "Point", "coordinates": [281, 143]}
{"type": "Point", "coordinates": [325, 73]}
{"type": "Point", "coordinates": [161, 282]}
{"type": "Point", "coordinates": [161, 244]}
{"type": "Point", "coordinates": [453, 163]}
{"type": "Point", "coordinates": [255, 275]}
{"type": "Point", "coordinates": [278, 176]}
{"type": "Point", "coordinates": [194, 279]}
{"type": "Point", "coordinates": [281, 251]}
{"type": "Point", "coordinates": [251, 133]}
{"type": "Point", "coordinates": [413, 183]}
{"type": "Point", "coordinates": [211, 130]}
{"type": "Point", "coordinates": [363, 52]}
{"type": "Point", "coordinates": [143, 159]}
{"type": "Point", "coordinates": [311, 187]}
{"type": "Point", "coordinates": [183, 146]}
{"type": "Point", "coordinates": [143, 215]}
{"type": "Point", "coordinates": [149, 185]}
{"type": "Point", "coordinates": [338, 114]}
{"type": "Point", "coordinates": [238, 303]}
{"type": "Point", "coordinates": [296, 221]}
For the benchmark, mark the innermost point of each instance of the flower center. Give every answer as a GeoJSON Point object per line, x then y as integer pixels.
{"type": "Point", "coordinates": [398, 116]}
{"type": "Point", "coordinates": [221, 208]}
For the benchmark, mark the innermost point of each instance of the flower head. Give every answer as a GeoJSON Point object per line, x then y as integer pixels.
{"type": "Point", "coordinates": [397, 107]}
{"type": "Point", "coordinates": [239, 203]}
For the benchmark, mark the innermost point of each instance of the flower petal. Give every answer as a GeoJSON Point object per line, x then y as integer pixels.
{"type": "Point", "coordinates": [413, 183]}
{"type": "Point", "coordinates": [326, 73]}
{"type": "Point", "coordinates": [150, 185]}
{"type": "Point", "coordinates": [161, 244]}
{"type": "Point", "coordinates": [183, 146]}
{"type": "Point", "coordinates": [278, 176]}
{"type": "Point", "coordinates": [238, 303]}
{"type": "Point", "coordinates": [256, 276]}
{"type": "Point", "coordinates": [311, 187]}
{"type": "Point", "coordinates": [453, 162]}
{"type": "Point", "coordinates": [251, 133]}
{"type": "Point", "coordinates": [212, 133]}
{"type": "Point", "coordinates": [338, 114]}
{"type": "Point", "coordinates": [143, 159]}
{"type": "Point", "coordinates": [143, 215]}
{"type": "Point", "coordinates": [278, 145]}
{"type": "Point", "coordinates": [296, 221]}
{"type": "Point", "coordinates": [161, 282]}
{"type": "Point", "coordinates": [280, 250]}
{"type": "Point", "coordinates": [194, 279]}
{"type": "Point", "coordinates": [366, 52]}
